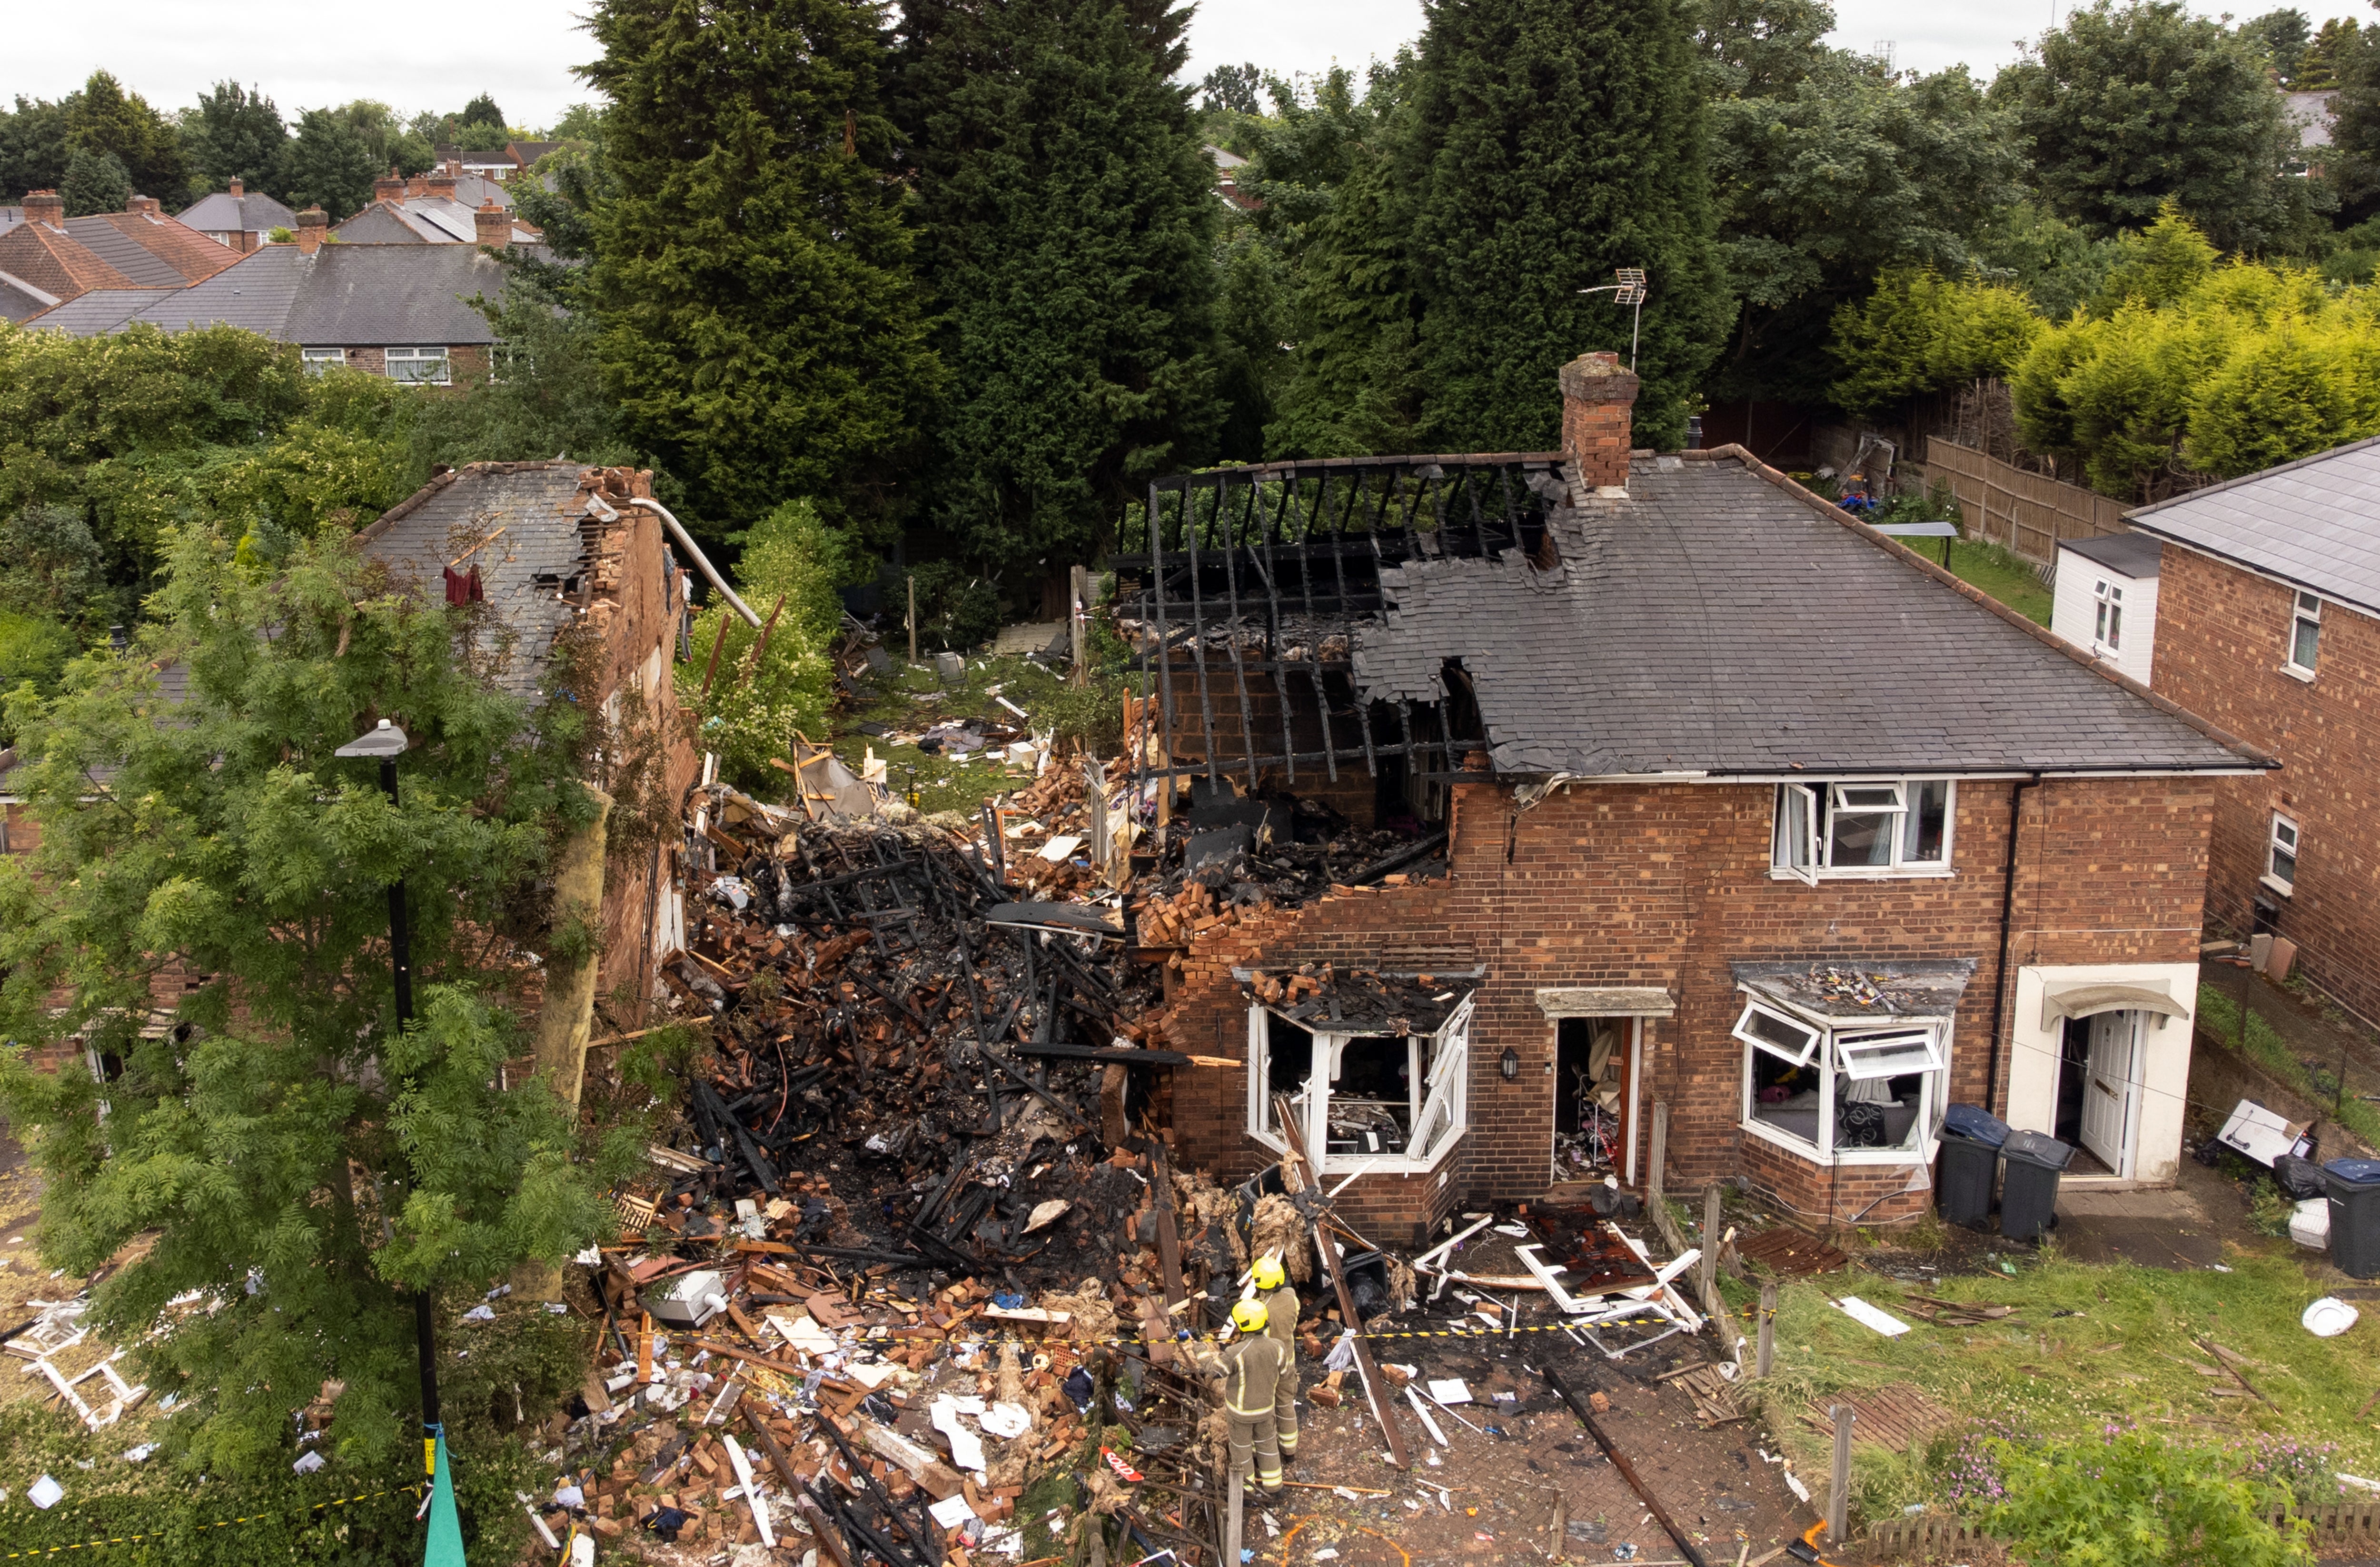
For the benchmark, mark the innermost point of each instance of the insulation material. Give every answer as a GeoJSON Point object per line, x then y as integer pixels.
{"type": "Point", "coordinates": [1279, 1228]}
{"type": "Point", "coordinates": [1090, 1316]}
{"type": "Point", "coordinates": [1010, 1379]}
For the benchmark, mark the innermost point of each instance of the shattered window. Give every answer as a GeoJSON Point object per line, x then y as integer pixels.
{"type": "Point", "coordinates": [1371, 1100]}
{"type": "Point", "coordinates": [1828, 1092]}
{"type": "Point", "coordinates": [1864, 828]}
{"type": "Point", "coordinates": [1381, 1096]}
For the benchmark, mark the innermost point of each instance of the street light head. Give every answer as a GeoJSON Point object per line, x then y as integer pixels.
{"type": "Point", "coordinates": [378, 743]}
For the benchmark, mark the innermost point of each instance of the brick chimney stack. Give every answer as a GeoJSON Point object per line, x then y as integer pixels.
{"type": "Point", "coordinates": [1599, 403]}
{"type": "Point", "coordinates": [438, 182]}
{"type": "Point", "coordinates": [493, 225]}
{"type": "Point", "coordinates": [313, 224]}
{"type": "Point", "coordinates": [389, 188]}
{"type": "Point", "coordinates": [145, 205]}
{"type": "Point", "coordinates": [45, 206]}
{"type": "Point", "coordinates": [237, 189]}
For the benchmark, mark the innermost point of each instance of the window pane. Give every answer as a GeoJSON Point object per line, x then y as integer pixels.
{"type": "Point", "coordinates": [1760, 1027]}
{"type": "Point", "coordinates": [1879, 1112]}
{"type": "Point", "coordinates": [1785, 1097]}
{"type": "Point", "coordinates": [1791, 850]}
{"type": "Point", "coordinates": [2308, 640]}
{"type": "Point", "coordinates": [1924, 827]}
{"type": "Point", "coordinates": [1861, 837]}
{"type": "Point", "coordinates": [1869, 1056]}
{"type": "Point", "coordinates": [1371, 1100]}
{"type": "Point", "coordinates": [2285, 864]}
{"type": "Point", "coordinates": [1867, 797]}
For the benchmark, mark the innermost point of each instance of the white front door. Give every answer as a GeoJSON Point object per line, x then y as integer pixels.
{"type": "Point", "coordinates": [2111, 1089]}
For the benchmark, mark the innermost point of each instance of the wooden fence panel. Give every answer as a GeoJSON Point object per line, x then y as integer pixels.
{"type": "Point", "coordinates": [2026, 512]}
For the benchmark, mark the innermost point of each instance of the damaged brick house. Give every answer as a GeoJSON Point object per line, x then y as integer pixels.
{"type": "Point", "coordinates": [555, 548]}
{"type": "Point", "coordinates": [1747, 810]}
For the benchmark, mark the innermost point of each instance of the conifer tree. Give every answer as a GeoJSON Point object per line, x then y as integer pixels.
{"type": "Point", "coordinates": [233, 134]}
{"type": "Point", "coordinates": [104, 118]}
{"type": "Point", "coordinates": [1554, 144]}
{"type": "Point", "coordinates": [759, 319]}
{"type": "Point", "coordinates": [1069, 220]}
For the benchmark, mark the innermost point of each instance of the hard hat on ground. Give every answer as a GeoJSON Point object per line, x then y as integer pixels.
{"type": "Point", "coordinates": [1248, 1317]}
{"type": "Point", "coordinates": [1268, 1273]}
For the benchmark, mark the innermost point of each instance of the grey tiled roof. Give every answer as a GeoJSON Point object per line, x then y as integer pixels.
{"type": "Point", "coordinates": [1717, 622]}
{"type": "Point", "coordinates": [2135, 555]}
{"type": "Point", "coordinates": [20, 299]}
{"type": "Point", "coordinates": [343, 296]}
{"type": "Point", "coordinates": [2314, 522]}
{"type": "Point", "coordinates": [125, 254]}
{"type": "Point", "coordinates": [220, 211]}
{"type": "Point", "coordinates": [101, 310]}
{"type": "Point", "coordinates": [523, 569]}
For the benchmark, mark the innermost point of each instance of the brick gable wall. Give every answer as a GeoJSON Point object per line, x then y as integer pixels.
{"type": "Point", "coordinates": [2222, 636]}
{"type": "Point", "coordinates": [1665, 885]}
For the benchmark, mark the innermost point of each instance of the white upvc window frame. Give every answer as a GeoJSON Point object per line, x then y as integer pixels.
{"type": "Point", "coordinates": [2108, 619]}
{"type": "Point", "coordinates": [2284, 838]}
{"type": "Point", "coordinates": [2305, 635]}
{"type": "Point", "coordinates": [1439, 1106]}
{"type": "Point", "coordinates": [317, 360]}
{"type": "Point", "coordinates": [422, 354]}
{"type": "Point", "coordinates": [1836, 1038]}
{"type": "Point", "coordinates": [1800, 853]}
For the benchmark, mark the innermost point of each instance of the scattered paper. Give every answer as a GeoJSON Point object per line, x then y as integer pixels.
{"type": "Point", "coordinates": [967, 1448]}
{"type": "Point", "coordinates": [951, 1513]}
{"type": "Point", "coordinates": [1449, 1390]}
{"type": "Point", "coordinates": [307, 1463]}
{"type": "Point", "coordinates": [1866, 1316]}
{"type": "Point", "coordinates": [45, 1493]}
{"type": "Point", "coordinates": [1049, 1212]}
{"type": "Point", "coordinates": [873, 1376]}
{"type": "Point", "coordinates": [1006, 1420]}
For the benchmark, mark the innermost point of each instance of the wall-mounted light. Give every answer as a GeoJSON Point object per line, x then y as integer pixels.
{"type": "Point", "coordinates": [1509, 1064]}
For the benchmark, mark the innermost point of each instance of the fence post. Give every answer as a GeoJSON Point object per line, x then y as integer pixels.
{"type": "Point", "coordinates": [1078, 597]}
{"type": "Point", "coordinates": [1661, 1149]}
{"type": "Point", "coordinates": [1767, 1329]}
{"type": "Point", "coordinates": [1711, 1218]}
{"type": "Point", "coordinates": [1838, 1482]}
{"type": "Point", "coordinates": [912, 617]}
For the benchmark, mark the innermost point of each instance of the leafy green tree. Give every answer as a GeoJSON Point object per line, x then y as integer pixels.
{"type": "Point", "coordinates": [2318, 66]}
{"type": "Point", "coordinates": [33, 147]}
{"type": "Point", "coordinates": [102, 117]}
{"type": "Point", "coordinates": [2284, 36]}
{"type": "Point", "coordinates": [1067, 217]}
{"type": "Point", "coordinates": [2135, 1499]}
{"type": "Point", "coordinates": [2159, 267]}
{"type": "Point", "coordinates": [2126, 105]}
{"type": "Point", "coordinates": [788, 571]}
{"type": "Point", "coordinates": [2352, 55]}
{"type": "Point", "coordinates": [1235, 90]}
{"type": "Point", "coordinates": [1355, 382]}
{"type": "Point", "coordinates": [1552, 146]}
{"type": "Point", "coordinates": [234, 133]}
{"type": "Point", "coordinates": [760, 322]}
{"type": "Point", "coordinates": [391, 143]}
{"type": "Point", "coordinates": [549, 397]}
{"type": "Point", "coordinates": [1829, 168]}
{"type": "Point", "coordinates": [328, 164]}
{"type": "Point", "coordinates": [298, 1161]}
{"type": "Point", "coordinates": [1919, 332]}
{"type": "Point", "coordinates": [95, 182]}
{"type": "Point", "coordinates": [2053, 262]}
{"type": "Point", "coordinates": [580, 122]}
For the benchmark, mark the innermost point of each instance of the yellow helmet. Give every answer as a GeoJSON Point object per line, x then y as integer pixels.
{"type": "Point", "coordinates": [1248, 1317]}
{"type": "Point", "coordinates": [1268, 1273]}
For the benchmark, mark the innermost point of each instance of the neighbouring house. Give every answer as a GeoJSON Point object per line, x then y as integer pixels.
{"type": "Point", "coordinates": [446, 207]}
{"type": "Point", "coordinates": [1747, 810]}
{"type": "Point", "coordinates": [1227, 179]}
{"type": "Point", "coordinates": [237, 218]}
{"type": "Point", "coordinates": [400, 310]}
{"type": "Point", "coordinates": [50, 257]}
{"type": "Point", "coordinates": [2268, 621]}
{"type": "Point", "coordinates": [560, 550]}
{"type": "Point", "coordinates": [500, 164]}
{"type": "Point", "coordinates": [2106, 599]}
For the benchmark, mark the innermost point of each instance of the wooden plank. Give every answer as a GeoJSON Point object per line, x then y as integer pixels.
{"type": "Point", "coordinates": [1374, 1384]}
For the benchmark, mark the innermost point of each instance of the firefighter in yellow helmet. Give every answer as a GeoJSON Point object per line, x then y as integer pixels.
{"type": "Point", "coordinates": [1281, 1322]}
{"type": "Point", "coordinates": [1250, 1367]}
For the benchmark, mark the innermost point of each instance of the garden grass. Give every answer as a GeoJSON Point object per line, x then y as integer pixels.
{"type": "Point", "coordinates": [2090, 1346]}
{"type": "Point", "coordinates": [1994, 570]}
{"type": "Point", "coordinates": [943, 784]}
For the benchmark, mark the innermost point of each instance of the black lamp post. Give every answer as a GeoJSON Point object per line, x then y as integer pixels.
{"type": "Point", "coordinates": [384, 742]}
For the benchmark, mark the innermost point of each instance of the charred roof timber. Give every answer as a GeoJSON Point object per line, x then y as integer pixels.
{"type": "Point", "coordinates": [1267, 572]}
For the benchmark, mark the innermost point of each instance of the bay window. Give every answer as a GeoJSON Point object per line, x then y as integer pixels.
{"type": "Point", "coordinates": [1363, 1101]}
{"type": "Point", "coordinates": [1862, 827]}
{"type": "Point", "coordinates": [1827, 1089]}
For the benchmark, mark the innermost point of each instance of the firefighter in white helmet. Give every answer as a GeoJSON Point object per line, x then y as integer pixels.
{"type": "Point", "coordinates": [1281, 1322]}
{"type": "Point", "coordinates": [1250, 1367]}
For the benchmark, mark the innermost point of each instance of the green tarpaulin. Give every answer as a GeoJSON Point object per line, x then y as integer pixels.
{"type": "Point", "coordinates": [444, 1547]}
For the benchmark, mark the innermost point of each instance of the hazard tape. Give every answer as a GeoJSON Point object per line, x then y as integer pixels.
{"type": "Point", "coordinates": [219, 1523]}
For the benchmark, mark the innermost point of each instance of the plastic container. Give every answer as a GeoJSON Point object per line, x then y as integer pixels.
{"type": "Point", "coordinates": [1976, 1124]}
{"type": "Point", "coordinates": [2029, 1194]}
{"type": "Point", "coordinates": [1962, 1189]}
{"type": "Point", "coordinates": [2353, 1186]}
{"type": "Point", "coordinates": [2310, 1223]}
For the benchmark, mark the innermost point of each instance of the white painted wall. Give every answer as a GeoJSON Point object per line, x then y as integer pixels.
{"type": "Point", "coordinates": [2075, 613]}
{"type": "Point", "coordinates": [2164, 1060]}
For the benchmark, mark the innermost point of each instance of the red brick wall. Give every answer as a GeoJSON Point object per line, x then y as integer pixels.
{"type": "Point", "coordinates": [2222, 636]}
{"type": "Point", "coordinates": [1666, 885]}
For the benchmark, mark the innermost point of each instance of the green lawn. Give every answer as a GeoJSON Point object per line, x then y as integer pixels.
{"type": "Point", "coordinates": [2005, 577]}
{"type": "Point", "coordinates": [911, 698]}
{"type": "Point", "coordinates": [2090, 1346]}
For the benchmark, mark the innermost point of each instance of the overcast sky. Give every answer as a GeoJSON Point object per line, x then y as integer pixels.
{"type": "Point", "coordinates": [438, 53]}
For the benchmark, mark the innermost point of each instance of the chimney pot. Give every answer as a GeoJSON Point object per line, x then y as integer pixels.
{"type": "Point", "coordinates": [45, 206]}
{"type": "Point", "coordinates": [493, 225]}
{"type": "Point", "coordinates": [313, 224]}
{"type": "Point", "coordinates": [142, 204]}
{"type": "Point", "coordinates": [237, 189]}
{"type": "Point", "coordinates": [389, 188]}
{"type": "Point", "coordinates": [1598, 419]}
